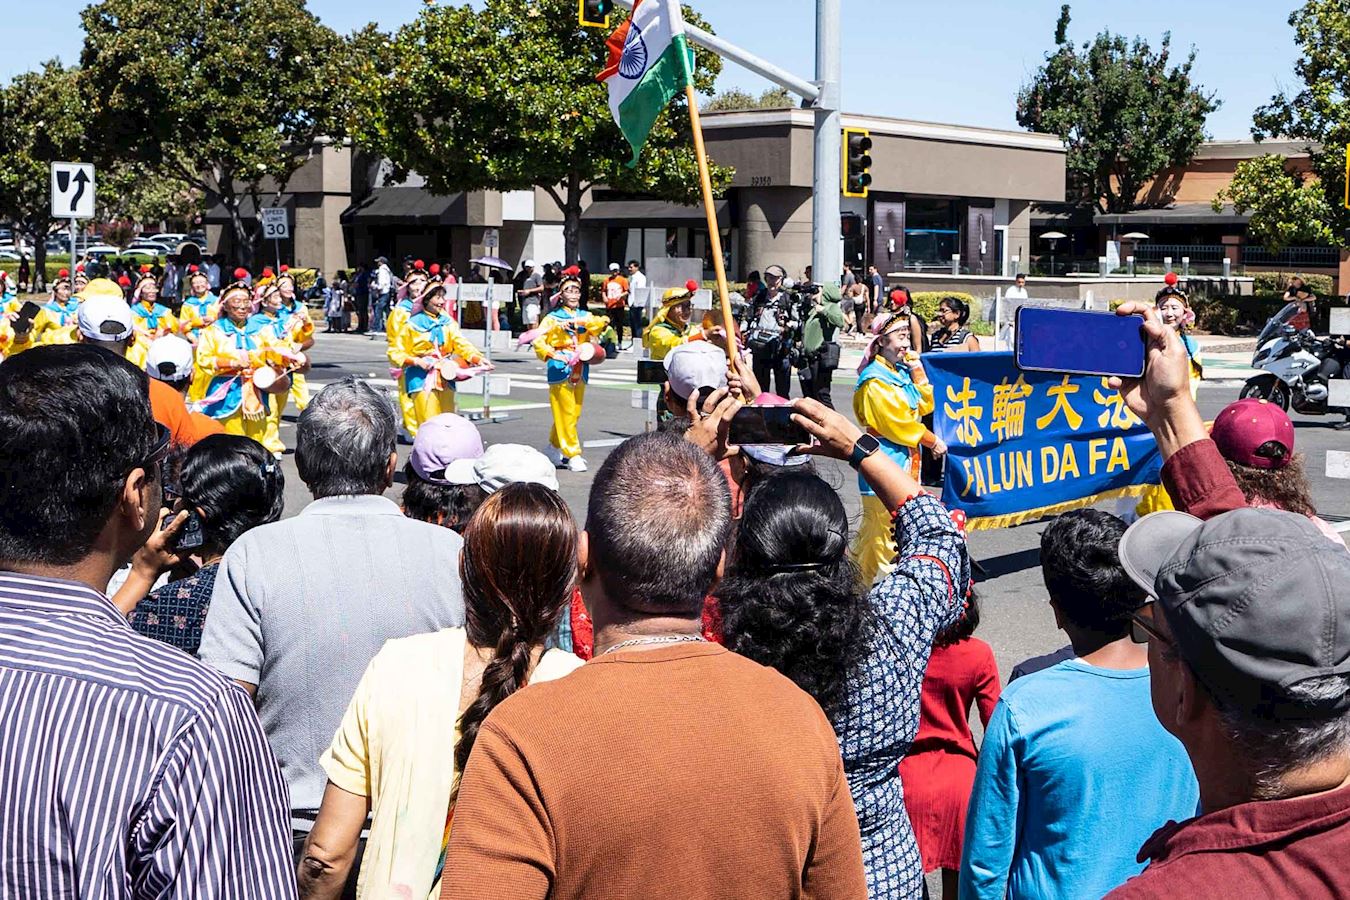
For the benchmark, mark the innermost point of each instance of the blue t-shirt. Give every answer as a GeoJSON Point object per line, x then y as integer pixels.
{"type": "Point", "coordinates": [1075, 773]}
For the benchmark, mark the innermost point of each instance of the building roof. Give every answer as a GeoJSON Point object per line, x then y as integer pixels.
{"type": "Point", "coordinates": [911, 128]}
{"type": "Point", "coordinates": [1178, 214]}
{"type": "Point", "coordinates": [216, 214]}
{"type": "Point", "coordinates": [407, 206]}
{"type": "Point", "coordinates": [1252, 149]}
{"type": "Point", "coordinates": [630, 213]}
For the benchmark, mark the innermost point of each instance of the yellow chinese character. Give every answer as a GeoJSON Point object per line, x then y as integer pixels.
{"type": "Point", "coordinates": [1061, 393]}
{"type": "Point", "coordinates": [1116, 412]}
{"type": "Point", "coordinates": [1010, 408]}
{"type": "Point", "coordinates": [965, 414]}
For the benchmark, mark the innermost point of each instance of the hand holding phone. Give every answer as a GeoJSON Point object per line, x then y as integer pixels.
{"type": "Point", "coordinates": [23, 322]}
{"type": "Point", "coordinates": [1079, 342]}
{"type": "Point", "coordinates": [768, 425]}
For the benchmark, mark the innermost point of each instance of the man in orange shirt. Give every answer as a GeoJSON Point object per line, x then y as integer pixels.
{"type": "Point", "coordinates": [615, 292]}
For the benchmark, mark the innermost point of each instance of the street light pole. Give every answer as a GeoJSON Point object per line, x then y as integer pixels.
{"type": "Point", "coordinates": [827, 255]}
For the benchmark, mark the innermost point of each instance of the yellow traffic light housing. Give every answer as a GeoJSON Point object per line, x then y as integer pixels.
{"type": "Point", "coordinates": [857, 159]}
{"type": "Point", "coordinates": [594, 13]}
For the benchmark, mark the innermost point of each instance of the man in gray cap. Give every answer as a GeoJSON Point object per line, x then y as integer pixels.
{"type": "Point", "coordinates": [1249, 646]}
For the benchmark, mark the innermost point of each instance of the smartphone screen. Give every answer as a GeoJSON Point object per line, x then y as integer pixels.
{"type": "Point", "coordinates": [651, 371]}
{"type": "Point", "coordinates": [191, 537]}
{"type": "Point", "coordinates": [767, 425]}
{"type": "Point", "coordinates": [27, 313]}
{"type": "Point", "coordinates": [1079, 342]}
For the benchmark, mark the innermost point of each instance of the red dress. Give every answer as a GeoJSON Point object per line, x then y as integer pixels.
{"type": "Point", "coordinates": [939, 769]}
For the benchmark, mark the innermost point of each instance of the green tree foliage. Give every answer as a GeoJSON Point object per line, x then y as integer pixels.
{"type": "Point", "coordinates": [736, 99]}
{"type": "Point", "coordinates": [229, 95]}
{"type": "Point", "coordinates": [1319, 113]}
{"type": "Point", "coordinates": [505, 98]}
{"type": "Point", "coordinates": [149, 196]}
{"type": "Point", "coordinates": [1286, 208]}
{"type": "Point", "coordinates": [1123, 112]}
{"type": "Point", "coordinates": [42, 122]}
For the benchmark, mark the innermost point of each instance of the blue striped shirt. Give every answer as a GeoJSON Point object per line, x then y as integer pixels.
{"type": "Point", "coordinates": [128, 769]}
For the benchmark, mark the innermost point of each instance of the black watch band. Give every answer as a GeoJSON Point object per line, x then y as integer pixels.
{"type": "Point", "coordinates": [864, 447]}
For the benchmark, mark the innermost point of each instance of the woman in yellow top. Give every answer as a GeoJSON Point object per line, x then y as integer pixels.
{"type": "Point", "coordinates": [228, 353]}
{"type": "Point", "coordinates": [410, 302]}
{"type": "Point", "coordinates": [200, 309]}
{"type": "Point", "coordinates": [150, 320]}
{"type": "Point", "coordinates": [410, 726]}
{"type": "Point", "coordinates": [892, 397]}
{"type": "Point", "coordinates": [56, 323]}
{"type": "Point", "coordinates": [670, 325]}
{"type": "Point", "coordinates": [274, 321]}
{"type": "Point", "coordinates": [425, 341]}
{"type": "Point", "coordinates": [300, 333]}
{"type": "Point", "coordinates": [1174, 308]}
{"type": "Point", "coordinates": [561, 334]}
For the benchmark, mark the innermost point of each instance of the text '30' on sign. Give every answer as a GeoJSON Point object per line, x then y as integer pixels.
{"type": "Point", "coordinates": [72, 190]}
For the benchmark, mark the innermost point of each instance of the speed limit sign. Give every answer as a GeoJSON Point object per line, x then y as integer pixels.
{"type": "Point", "coordinates": [275, 224]}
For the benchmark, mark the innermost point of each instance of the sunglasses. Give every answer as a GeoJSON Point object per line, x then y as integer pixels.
{"type": "Point", "coordinates": [1142, 629]}
{"type": "Point", "coordinates": [158, 453]}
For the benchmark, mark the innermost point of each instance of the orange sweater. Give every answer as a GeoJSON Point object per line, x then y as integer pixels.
{"type": "Point", "coordinates": [676, 772]}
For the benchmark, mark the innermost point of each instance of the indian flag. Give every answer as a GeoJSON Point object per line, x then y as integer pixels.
{"type": "Point", "coordinates": [649, 63]}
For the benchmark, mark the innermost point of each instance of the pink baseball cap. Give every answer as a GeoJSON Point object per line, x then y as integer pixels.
{"type": "Point", "coordinates": [442, 441]}
{"type": "Point", "coordinates": [1243, 427]}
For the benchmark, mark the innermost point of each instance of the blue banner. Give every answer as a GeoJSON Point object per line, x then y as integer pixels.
{"type": "Point", "coordinates": [1021, 445]}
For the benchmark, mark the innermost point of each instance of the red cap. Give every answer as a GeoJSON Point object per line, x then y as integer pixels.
{"type": "Point", "coordinates": [435, 269]}
{"type": "Point", "coordinates": [144, 269]}
{"type": "Point", "coordinates": [574, 271]}
{"type": "Point", "coordinates": [1170, 279]}
{"type": "Point", "coordinates": [691, 285]}
{"type": "Point", "coordinates": [240, 273]}
{"type": "Point", "coordinates": [267, 272]}
{"type": "Point", "coordinates": [285, 268]}
{"type": "Point", "coordinates": [418, 264]}
{"type": "Point", "coordinates": [124, 281]}
{"type": "Point", "coordinates": [64, 273]}
{"type": "Point", "coordinates": [80, 267]}
{"type": "Point", "coordinates": [1242, 427]}
{"type": "Point", "coordinates": [192, 270]}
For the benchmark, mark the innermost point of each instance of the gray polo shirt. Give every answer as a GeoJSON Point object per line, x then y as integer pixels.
{"type": "Point", "coordinates": [301, 606]}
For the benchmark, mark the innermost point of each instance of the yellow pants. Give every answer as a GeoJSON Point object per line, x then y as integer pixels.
{"type": "Point", "coordinates": [271, 438]}
{"type": "Point", "coordinates": [875, 548]}
{"type": "Point", "coordinates": [427, 404]}
{"type": "Point", "coordinates": [299, 391]}
{"type": "Point", "coordinates": [405, 405]}
{"type": "Point", "coordinates": [565, 399]}
{"type": "Point", "coordinates": [249, 428]}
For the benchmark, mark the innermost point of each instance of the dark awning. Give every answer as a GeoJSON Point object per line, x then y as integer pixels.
{"type": "Point", "coordinates": [1180, 214]}
{"type": "Point", "coordinates": [652, 213]}
{"type": "Point", "coordinates": [216, 214]}
{"type": "Point", "coordinates": [407, 206]}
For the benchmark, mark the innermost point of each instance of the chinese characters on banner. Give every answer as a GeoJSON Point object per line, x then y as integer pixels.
{"type": "Point", "coordinates": [1026, 444]}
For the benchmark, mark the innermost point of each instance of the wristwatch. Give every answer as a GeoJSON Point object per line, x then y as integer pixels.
{"type": "Point", "coordinates": [864, 447]}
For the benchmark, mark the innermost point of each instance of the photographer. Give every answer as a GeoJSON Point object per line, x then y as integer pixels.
{"type": "Point", "coordinates": [819, 352]}
{"type": "Point", "coordinates": [767, 334]}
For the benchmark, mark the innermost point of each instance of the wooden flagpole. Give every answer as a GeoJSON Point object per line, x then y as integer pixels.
{"type": "Point", "coordinates": [714, 235]}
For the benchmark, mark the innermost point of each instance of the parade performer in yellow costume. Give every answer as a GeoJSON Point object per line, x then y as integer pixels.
{"type": "Point", "coordinates": [228, 354]}
{"type": "Point", "coordinates": [1174, 309]}
{"type": "Point", "coordinates": [427, 341]}
{"type": "Point", "coordinates": [301, 330]}
{"type": "Point", "coordinates": [200, 309]}
{"type": "Point", "coordinates": [892, 397]}
{"type": "Point", "coordinates": [410, 296]}
{"type": "Point", "coordinates": [670, 326]}
{"type": "Point", "coordinates": [561, 334]}
{"type": "Point", "coordinates": [283, 333]}
{"type": "Point", "coordinates": [56, 323]}
{"type": "Point", "coordinates": [150, 319]}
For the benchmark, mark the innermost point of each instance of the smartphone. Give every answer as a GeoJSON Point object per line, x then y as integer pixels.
{"type": "Point", "coordinates": [27, 313]}
{"type": "Point", "coordinates": [191, 536]}
{"type": "Point", "coordinates": [1079, 342]}
{"type": "Point", "coordinates": [651, 371]}
{"type": "Point", "coordinates": [767, 425]}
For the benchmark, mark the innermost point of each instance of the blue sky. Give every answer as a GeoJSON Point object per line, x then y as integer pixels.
{"type": "Point", "coordinates": [959, 61]}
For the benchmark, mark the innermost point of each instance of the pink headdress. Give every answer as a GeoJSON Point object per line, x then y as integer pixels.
{"type": "Point", "coordinates": [882, 325]}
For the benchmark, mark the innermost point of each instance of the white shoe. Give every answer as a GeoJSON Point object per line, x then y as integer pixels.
{"type": "Point", "coordinates": [554, 456]}
{"type": "Point", "coordinates": [576, 464]}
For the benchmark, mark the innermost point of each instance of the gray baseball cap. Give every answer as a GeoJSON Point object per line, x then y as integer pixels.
{"type": "Point", "coordinates": [1258, 600]}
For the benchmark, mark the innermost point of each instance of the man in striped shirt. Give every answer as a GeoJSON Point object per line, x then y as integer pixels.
{"type": "Point", "coordinates": [127, 768]}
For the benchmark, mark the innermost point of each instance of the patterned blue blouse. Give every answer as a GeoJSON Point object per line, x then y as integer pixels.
{"type": "Point", "coordinates": [879, 718]}
{"type": "Point", "coordinates": [175, 613]}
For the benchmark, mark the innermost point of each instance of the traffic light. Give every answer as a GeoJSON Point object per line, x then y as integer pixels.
{"type": "Point", "coordinates": [594, 13]}
{"type": "Point", "coordinates": [857, 160]}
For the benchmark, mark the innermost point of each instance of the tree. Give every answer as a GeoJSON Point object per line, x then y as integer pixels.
{"type": "Point", "coordinates": [1286, 207]}
{"type": "Point", "coordinates": [735, 99]}
{"type": "Point", "coordinates": [227, 95]}
{"type": "Point", "coordinates": [1317, 114]}
{"type": "Point", "coordinates": [1124, 114]}
{"type": "Point", "coordinates": [146, 196]}
{"type": "Point", "coordinates": [505, 98]}
{"type": "Point", "coordinates": [42, 121]}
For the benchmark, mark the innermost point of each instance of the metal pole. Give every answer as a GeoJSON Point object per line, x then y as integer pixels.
{"type": "Point", "coordinates": [489, 319]}
{"type": "Point", "coordinates": [827, 255]}
{"type": "Point", "coordinates": [72, 254]}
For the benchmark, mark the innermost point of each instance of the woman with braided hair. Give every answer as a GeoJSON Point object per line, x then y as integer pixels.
{"type": "Point", "coordinates": [421, 696]}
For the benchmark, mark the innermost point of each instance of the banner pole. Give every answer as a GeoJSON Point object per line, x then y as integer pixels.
{"type": "Point", "coordinates": [714, 235]}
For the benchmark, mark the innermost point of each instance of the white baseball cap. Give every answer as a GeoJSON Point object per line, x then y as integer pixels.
{"type": "Point", "coordinates": [104, 318]}
{"type": "Point", "coordinates": [529, 264]}
{"type": "Point", "coordinates": [503, 464]}
{"type": "Point", "coordinates": [614, 267]}
{"type": "Point", "coordinates": [693, 366]}
{"type": "Point", "coordinates": [169, 359]}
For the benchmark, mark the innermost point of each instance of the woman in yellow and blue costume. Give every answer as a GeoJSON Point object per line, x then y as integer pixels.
{"type": "Point", "coordinates": [228, 352]}
{"type": "Point", "coordinates": [150, 319]}
{"type": "Point", "coordinates": [892, 397]}
{"type": "Point", "coordinates": [200, 308]}
{"type": "Point", "coordinates": [670, 326]}
{"type": "Point", "coordinates": [300, 330]}
{"type": "Point", "coordinates": [56, 323]}
{"type": "Point", "coordinates": [1174, 309]}
{"type": "Point", "coordinates": [273, 320]}
{"type": "Point", "coordinates": [409, 296]}
{"type": "Point", "coordinates": [428, 338]}
{"type": "Point", "coordinates": [561, 334]}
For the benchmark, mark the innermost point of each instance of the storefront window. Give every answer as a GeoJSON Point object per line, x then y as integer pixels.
{"type": "Point", "coordinates": [932, 234]}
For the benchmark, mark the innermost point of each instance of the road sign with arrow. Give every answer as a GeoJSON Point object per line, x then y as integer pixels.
{"type": "Point", "coordinates": [72, 190]}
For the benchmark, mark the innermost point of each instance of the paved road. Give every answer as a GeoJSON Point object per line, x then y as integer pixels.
{"type": "Point", "coordinates": [1017, 622]}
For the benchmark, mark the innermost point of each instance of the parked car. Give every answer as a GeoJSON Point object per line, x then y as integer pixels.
{"type": "Point", "coordinates": [9, 255]}
{"type": "Point", "coordinates": [159, 247]}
